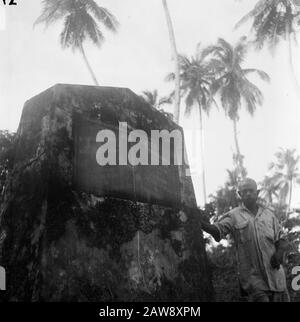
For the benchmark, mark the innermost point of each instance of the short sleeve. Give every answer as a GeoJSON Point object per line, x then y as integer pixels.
{"type": "Point", "coordinates": [225, 225]}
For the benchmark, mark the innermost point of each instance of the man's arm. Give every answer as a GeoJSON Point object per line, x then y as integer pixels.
{"type": "Point", "coordinates": [211, 229]}
{"type": "Point", "coordinates": [282, 246]}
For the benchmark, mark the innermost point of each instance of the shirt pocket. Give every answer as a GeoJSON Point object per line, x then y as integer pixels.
{"type": "Point", "coordinates": [242, 231]}
{"type": "Point", "coordinates": [268, 232]}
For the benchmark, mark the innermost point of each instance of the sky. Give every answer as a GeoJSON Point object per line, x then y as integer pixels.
{"type": "Point", "coordinates": [139, 57]}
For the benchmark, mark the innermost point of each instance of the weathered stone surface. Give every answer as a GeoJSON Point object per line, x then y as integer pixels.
{"type": "Point", "coordinates": [62, 244]}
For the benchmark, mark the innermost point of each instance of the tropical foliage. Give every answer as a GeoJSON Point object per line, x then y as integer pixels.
{"type": "Point", "coordinates": [81, 20]}
{"type": "Point", "coordinates": [226, 197]}
{"type": "Point", "coordinates": [7, 140]}
{"type": "Point", "coordinates": [176, 60]}
{"type": "Point", "coordinates": [153, 98]}
{"type": "Point", "coordinates": [233, 86]}
{"type": "Point", "coordinates": [272, 21]}
{"type": "Point", "coordinates": [196, 78]}
{"type": "Point", "coordinates": [284, 175]}
{"type": "Point", "coordinates": [222, 258]}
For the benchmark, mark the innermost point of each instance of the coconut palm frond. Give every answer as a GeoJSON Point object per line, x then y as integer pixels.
{"type": "Point", "coordinates": [103, 16]}
{"type": "Point", "coordinates": [80, 23]}
{"type": "Point", "coordinates": [272, 20]}
{"type": "Point", "coordinates": [196, 77]}
{"type": "Point", "coordinates": [259, 7]}
{"type": "Point", "coordinates": [285, 173]}
{"type": "Point", "coordinates": [52, 11]}
{"type": "Point", "coordinates": [165, 100]}
{"type": "Point", "coordinates": [66, 34]}
{"type": "Point", "coordinates": [231, 100]}
{"type": "Point", "coordinates": [251, 94]}
{"type": "Point", "coordinates": [170, 77]}
{"type": "Point", "coordinates": [92, 30]}
{"type": "Point", "coordinates": [232, 85]}
{"type": "Point", "coordinates": [152, 98]}
{"type": "Point", "coordinates": [240, 50]}
{"type": "Point", "coordinates": [263, 75]}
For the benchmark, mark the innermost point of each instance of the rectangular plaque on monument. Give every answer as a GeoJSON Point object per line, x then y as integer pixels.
{"type": "Point", "coordinates": [156, 184]}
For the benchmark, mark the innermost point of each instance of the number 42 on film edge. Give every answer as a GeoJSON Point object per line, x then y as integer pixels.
{"type": "Point", "coordinates": [10, 2]}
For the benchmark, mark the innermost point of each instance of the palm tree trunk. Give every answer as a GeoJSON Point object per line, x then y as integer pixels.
{"type": "Point", "coordinates": [237, 147]}
{"type": "Point", "coordinates": [176, 59]}
{"type": "Point", "coordinates": [202, 155]}
{"type": "Point", "coordinates": [290, 200]}
{"type": "Point", "coordinates": [238, 151]}
{"type": "Point", "coordinates": [88, 65]}
{"type": "Point", "coordinates": [294, 77]}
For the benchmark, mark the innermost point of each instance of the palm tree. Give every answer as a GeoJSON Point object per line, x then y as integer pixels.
{"type": "Point", "coordinates": [233, 86]}
{"type": "Point", "coordinates": [269, 189]}
{"type": "Point", "coordinates": [80, 19]}
{"type": "Point", "coordinates": [196, 77]}
{"type": "Point", "coordinates": [152, 98]}
{"type": "Point", "coordinates": [286, 174]}
{"type": "Point", "coordinates": [176, 59]}
{"type": "Point", "coordinates": [226, 197]}
{"type": "Point", "coordinates": [274, 20]}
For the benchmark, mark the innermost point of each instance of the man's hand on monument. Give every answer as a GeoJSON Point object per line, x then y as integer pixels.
{"type": "Point", "coordinates": [204, 220]}
{"type": "Point", "coordinates": [277, 259]}
{"type": "Point", "coordinates": [211, 229]}
{"type": "Point", "coordinates": [282, 246]}
{"type": "Point", "coordinates": [205, 223]}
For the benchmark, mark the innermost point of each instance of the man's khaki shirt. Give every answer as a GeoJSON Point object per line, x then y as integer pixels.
{"type": "Point", "coordinates": [255, 238]}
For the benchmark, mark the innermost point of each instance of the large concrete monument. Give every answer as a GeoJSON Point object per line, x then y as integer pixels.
{"type": "Point", "coordinates": [82, 220]}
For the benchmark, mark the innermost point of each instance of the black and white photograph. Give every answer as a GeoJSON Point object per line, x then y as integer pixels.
{"type": "Point", "coordinates": [149, 153]}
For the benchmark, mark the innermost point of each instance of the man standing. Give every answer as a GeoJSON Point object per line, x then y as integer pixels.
{"type": "Point", "coordinates": [260, 247]}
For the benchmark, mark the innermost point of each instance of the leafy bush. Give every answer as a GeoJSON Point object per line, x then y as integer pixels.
{"type": "Point", "coordinates": [7, 140]}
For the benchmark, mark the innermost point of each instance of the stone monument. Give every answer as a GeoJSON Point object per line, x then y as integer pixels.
{"type": "Point", "coordinates": [75, 230]}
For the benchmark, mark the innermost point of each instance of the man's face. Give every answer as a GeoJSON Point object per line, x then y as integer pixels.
{"type": "Point", "coordinates": [248, 193]}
